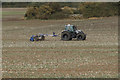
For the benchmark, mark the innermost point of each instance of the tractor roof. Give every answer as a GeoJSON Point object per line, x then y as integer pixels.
{"type": "Point", "coordinates": [69, 25]}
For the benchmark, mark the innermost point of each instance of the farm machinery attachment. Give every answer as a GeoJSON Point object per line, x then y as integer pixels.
{"type": "Point", "coordinates": [41, 37]}
{"type": "Point", "coordinates": [67, 34]}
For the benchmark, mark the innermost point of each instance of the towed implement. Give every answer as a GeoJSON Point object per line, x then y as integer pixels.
{"type": "Point", "coordinates": [41, 37]}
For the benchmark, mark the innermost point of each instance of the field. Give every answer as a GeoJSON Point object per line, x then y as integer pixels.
{"type": "Point", "coordinates": [97, 56]}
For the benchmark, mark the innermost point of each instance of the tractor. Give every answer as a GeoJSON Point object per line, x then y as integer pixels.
{"type": "Point", "coordinates": [72, 32]}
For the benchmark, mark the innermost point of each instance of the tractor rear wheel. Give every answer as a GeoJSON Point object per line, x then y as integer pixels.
{"type": "Point", "coordinates": [66, 36]}
{"type": "Point", "coordinates": [81, 36]}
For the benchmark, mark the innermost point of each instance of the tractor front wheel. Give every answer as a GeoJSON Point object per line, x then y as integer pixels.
{"type": "Point", "coordinates": [81, 36]}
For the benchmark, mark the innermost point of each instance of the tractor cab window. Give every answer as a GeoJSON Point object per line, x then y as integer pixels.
{"type": "Point", "coordinates": [69, 28]}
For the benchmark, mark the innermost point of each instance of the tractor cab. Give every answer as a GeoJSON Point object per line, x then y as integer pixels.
{"type": "Point", "coordinates": [70, 28]}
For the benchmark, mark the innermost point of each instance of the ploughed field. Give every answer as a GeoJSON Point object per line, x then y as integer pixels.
{"type": "Point", "coordinates": [97, 56]}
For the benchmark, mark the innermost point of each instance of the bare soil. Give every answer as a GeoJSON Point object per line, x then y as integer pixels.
{"type": "Point", "coordinates": [97, 56]}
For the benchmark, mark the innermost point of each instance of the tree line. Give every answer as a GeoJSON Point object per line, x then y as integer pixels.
{"type": "Point", "coordinates": [55, 10]}
{"type": "Point", "coordinates": [28, 4]}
